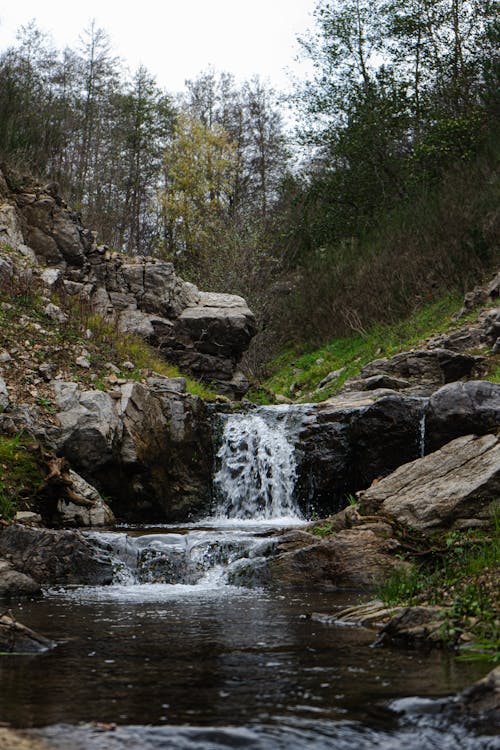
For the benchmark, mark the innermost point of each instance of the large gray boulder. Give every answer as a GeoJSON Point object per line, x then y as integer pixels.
{"type": "Point", "coordinates": [451, 488]}
{"type": "Point", "coordinates": [346, 442]}
{"type": "Point", "coordinates": [460, 409]}
{"type": "Point", "coordinates": [147, 446]}
{"type": "Point", "coordinates": [90, 511]}
{"type": "Point", "coordinates": [54, 557]}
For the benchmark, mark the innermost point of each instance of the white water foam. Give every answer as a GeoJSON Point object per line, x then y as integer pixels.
{"type": "Point", "coordinates": [257, 469]}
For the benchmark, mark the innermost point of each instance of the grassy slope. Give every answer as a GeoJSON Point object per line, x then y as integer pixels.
{"type": "Point", "coordinates": [296, 374]}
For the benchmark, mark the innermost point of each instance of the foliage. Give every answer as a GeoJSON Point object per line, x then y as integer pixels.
{"type": "Point", "coordinates": [20, 475]}
{"type": "Point", "coordinates": [460, 572]}
{"type": "Point", "coordinates": [298, 373]}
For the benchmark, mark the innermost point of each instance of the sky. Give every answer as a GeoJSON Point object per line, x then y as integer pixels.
{"type": "Point", "coordinates": [178, 39]}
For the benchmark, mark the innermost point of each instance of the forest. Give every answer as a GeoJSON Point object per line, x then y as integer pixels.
{"type": "Point", "coordinates": [371, 191]}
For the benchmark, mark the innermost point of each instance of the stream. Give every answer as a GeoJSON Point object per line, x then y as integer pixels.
{"type": "Point", "coordinates": [173, 654]}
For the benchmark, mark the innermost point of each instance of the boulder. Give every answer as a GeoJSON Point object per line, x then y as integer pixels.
{"type": "Point", "coordinates": [432, 366]}
{"type": "Point", "coordinates": [415, 626]}
{"type": "Point", "coordinates": [346, 442]}
{"type": "Point", "coordinates": [54, 557]}
{"type": "Point", "coordinates": [148, 447]}
{"type": "Point", "coordinates": [93, 514]}
{"type": "Point", "coordinates": [461, 409]}
{"type": "Point", "coordinates": [351, 558]}
{"type": "Point", "coordinates": [451, 488]}
{"type": "Point", "coordinates": [17, 638]}
{"type": "Point", "coordinates": [16, 584]}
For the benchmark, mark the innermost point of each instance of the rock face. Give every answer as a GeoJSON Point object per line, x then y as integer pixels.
{"type": "Point", "coordinates": [54, 557]}
{"type": "Point", "coordinates": [461, 408]}
{"type": "Point", "coordinates": [352, 558]}
{"type": "Point", "coordinates": [205, 334]}
{"type": "Point", "coordinates": [451, 488]}
{"type": "Point", "coordinates": [350, 440]}
{"type": "Point", "coordinates": [147, 446]}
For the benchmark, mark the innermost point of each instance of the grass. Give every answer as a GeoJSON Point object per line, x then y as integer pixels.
{"type": "Point", "coordinates": [461, 575]}
{"type": "Point", "coordinates": [20, 475]}
{"type": "Point", "coordinates": [297, 373]}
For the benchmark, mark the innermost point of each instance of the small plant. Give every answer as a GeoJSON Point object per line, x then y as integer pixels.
{"type": "Point", "coordinates": [20, 475]}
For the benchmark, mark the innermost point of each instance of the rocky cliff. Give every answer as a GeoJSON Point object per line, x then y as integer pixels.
{"type": "Point", "coordinates": [204, 333]}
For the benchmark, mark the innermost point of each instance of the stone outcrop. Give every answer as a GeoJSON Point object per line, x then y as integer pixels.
{"type": "Point", "coordinates": [54, 557]}
{"type": "Point", "coordinates": [462, 408]}
{"type": "Point", "coordinates": [451, 488]}
{"type": "Point", "coordinates": [352, 558]}
{"type": "Point", "coordinates": [87, 509]}
{"type": "Point", "coordinates": [350, 440]}
{"type": "Point", "coordinates": [204, 333]}
{"type": "Point", "coordinates": [146, 446]}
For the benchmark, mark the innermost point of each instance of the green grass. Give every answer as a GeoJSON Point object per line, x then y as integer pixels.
{"type": "Point", "coordinates": [20, 475]}
{"type": "Point", "coordinates": [461, 575]}
{"type": "Point", "coordinates": [306, 369]}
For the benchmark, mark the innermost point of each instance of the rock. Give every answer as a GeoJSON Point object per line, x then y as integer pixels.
{"type": "Point", "coordinates": [11, 231]}
{"type": "Point", "coordinates": [415, 626]}
{"type": "Point", "coordinates": [128, 366]}
{"type": "Point", "coordinates": [482, 698]}
{"type": "Point", "coordinates": [5, 357]}
{"type": "Point", "coordinates": [16, 584]}
{"type": "Point", "coordinates": [89, 426]}
{"type": "Point", "coordinates": [432, 366]}
{"type": "Point", "coordinates": [83, 362]}
{"type": "Point", "coordinates": [94, 514]}
{"type": "Point", "coordinates": [346, 442]}
{"type": "Point", "coordinates": [461, 409]}
{"type": "Point", "coordinates": [55, 313]}
{"type": "Point", "coordinates": [28, 518]}
{"type": "Point", "coordinates": [330, 377]}
{"type": "Point", "coordinates": [148, 448]}
{"type": "Point", "coordinates": [17, 638]}
{"type": "Point", "coordinates": [451, 488]}
{"type": "Point", "coordinates": [54, 557]}
{"type": "Point", "coordinates": [52, 278]}
{"type": "Point", "coordinates": [4, 395]}
{"type": "Point", "coordinates": [351, 558]}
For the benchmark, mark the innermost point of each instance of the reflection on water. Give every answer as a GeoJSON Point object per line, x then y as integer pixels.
{"type": "Point", "coordinates": [206, 665]}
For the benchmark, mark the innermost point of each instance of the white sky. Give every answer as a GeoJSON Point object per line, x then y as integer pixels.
{"type": "Point", "coordinates": [178, 39]}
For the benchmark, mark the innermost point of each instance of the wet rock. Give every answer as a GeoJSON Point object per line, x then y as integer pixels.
{"type": "Point", "coordinates": [451, 488]}
{"type": "Point", "coordinates": [352, 558]}
{"type": "Point", "coordinates": [17, 638]}
{"type": "Point", "coordinates": [54, 557]}
{"type": "Point", "coordinates": [16, 584]}
{"type": "Point", "coordinates": [415, 626]}
{"type": "Point", "coordinates": [346, 442]}
{"type": "Point", "coordinates": [482, 699]}
{"type": "Point", "coordinates": [460, 409]}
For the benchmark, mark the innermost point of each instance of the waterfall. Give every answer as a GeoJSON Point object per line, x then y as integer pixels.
{"type": "Point", "coordinates": [422, 435]}
{"type": "Point", "coordinates": [256, 466]}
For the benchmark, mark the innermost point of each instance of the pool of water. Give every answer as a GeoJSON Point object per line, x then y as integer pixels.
{"type": "Point", "coordinates": [214, 666]}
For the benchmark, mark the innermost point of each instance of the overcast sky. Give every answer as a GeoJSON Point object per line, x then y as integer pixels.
{"type": "Point", "coordinates": [177, 39]}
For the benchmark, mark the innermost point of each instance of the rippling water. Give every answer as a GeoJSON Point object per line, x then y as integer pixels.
{"type": "Point", "coordinates": [189, 666]}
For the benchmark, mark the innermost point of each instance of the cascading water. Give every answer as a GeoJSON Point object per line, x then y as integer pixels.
{"type": "Point", "coordinates": [257, 468]}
